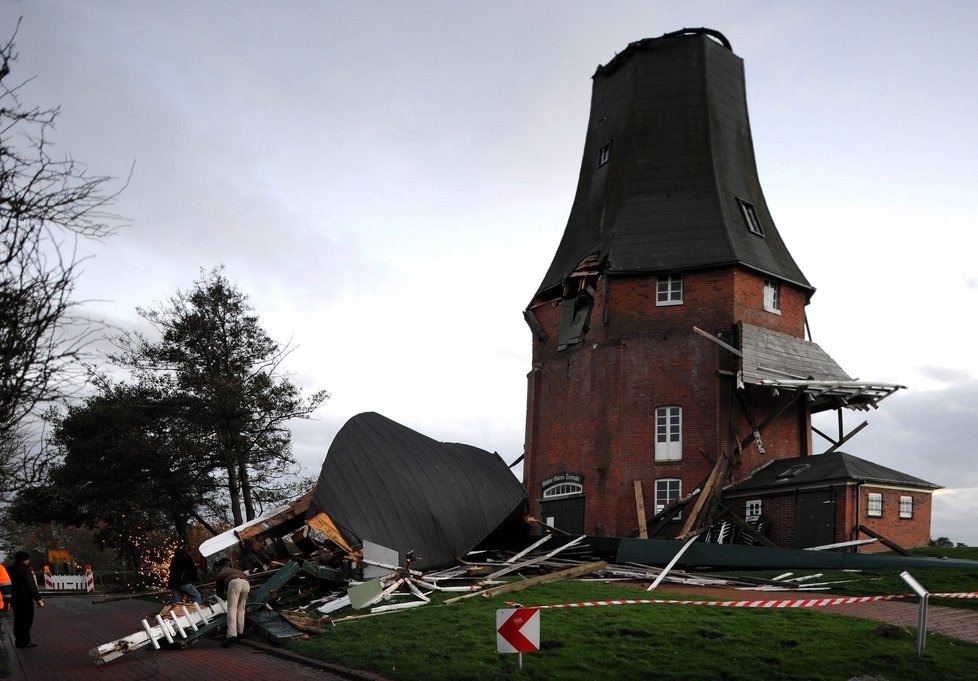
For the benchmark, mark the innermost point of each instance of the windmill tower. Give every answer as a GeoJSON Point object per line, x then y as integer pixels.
{"type": "Point", "coordinates": [668, 332]}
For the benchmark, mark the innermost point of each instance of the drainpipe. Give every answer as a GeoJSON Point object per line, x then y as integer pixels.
{"type": "Point", "coordinates": [855, 529]}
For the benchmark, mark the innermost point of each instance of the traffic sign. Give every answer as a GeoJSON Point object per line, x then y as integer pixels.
{"type": "Point", "coordinates": [518, 630]}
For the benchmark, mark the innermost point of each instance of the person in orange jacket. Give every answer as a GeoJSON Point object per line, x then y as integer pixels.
{"type": "Point", "coordinates": [4, 588]}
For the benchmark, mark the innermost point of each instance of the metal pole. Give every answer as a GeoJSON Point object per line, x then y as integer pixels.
{"type": "Point", "coordinates": [922, 624]}
{"type": "Point", "coordinates": [520, 656]}
{"type": "Point", "coordinates": [924, 597]}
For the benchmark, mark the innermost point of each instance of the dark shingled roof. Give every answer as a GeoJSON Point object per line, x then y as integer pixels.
{"type": "Point", "coordinates": [385, 483]}
{"type": "Point", "coordinates": [824, 469]}
{"type": "Point", "coordinates": [674, 110]}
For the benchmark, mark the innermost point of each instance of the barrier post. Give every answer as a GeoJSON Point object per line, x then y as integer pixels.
{"type": "Point", "coordinates": [924, 596]}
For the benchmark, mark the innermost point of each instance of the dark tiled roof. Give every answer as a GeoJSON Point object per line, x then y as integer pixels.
{"type": "Point", "coordinates": [674, 110]}
{"type": "Point", "coordinates": [393, 486]}
{"type": "Point", "coordinates": [825, 468]}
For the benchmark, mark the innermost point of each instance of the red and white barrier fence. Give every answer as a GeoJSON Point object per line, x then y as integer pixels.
{"type": "Point", "coordinates": [783, 603]}
{"type": "Point", "coordinates": [85, 582]}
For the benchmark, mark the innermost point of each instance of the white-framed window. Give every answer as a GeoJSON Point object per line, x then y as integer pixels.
{"type": "Point", "coordinates": [753, 510]}
{"type": "Point", "coordinates": [906, 507]}
{"type": "Point", "coordinates": [772, 297]}
{"type": "Point", "coordinates": [750, 217]}
{"type": "Point", "coordinates": [668, 433]}
{"type": "Point", "coordinates": [562, 489]}
{"type": "Point", "coordinates": [667, 490]}
{"type": "Point", "coordinates": [604, 154]}
{"type": "Point", "coordinates": [669, 290]}
{"type": "Point", "coordinates": [874, 505]}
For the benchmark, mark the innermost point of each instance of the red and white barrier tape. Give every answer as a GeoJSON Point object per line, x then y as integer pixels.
{"type": "Point", "coordinates": [802, 603]}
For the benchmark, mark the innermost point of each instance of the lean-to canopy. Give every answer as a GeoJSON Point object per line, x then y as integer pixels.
{"type": "Point", "coordinates": [784, 362]}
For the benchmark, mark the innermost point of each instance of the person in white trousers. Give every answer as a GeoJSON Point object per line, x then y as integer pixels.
{"type": "Point", "coordinates": [233, 585]}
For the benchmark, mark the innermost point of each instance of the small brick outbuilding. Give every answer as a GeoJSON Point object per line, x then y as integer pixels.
{"type": "Point", "coordinates": [831, 498]}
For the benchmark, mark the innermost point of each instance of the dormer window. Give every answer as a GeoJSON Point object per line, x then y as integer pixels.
{"type": "Point", "coordinates": [604, 154]}
{"type": "Point", "coordinates": [750, 217]}
{"type": "Point", "coordinates": [793, 471]}
{"type": "Point", "coordinates": [772, 297]}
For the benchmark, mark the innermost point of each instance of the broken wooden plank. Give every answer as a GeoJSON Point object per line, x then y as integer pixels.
{"type": "Point", "coordinates": [883, 540]}
{"type": "Point", "coordinates": [713, 484]}
{"type": "Point", "coordinates": [529, 548]}
{"type": "Point", "coordinates": [569, 573]}
{"type": "Point", "coordinates": [294, 508]}
{"type": "Point", "coordinates": [842, 544]}
{"type": "Point", "coordinates": [518, 566]}
{"type": "Point", "coordinates": [725, 346]}
{"type": "Point", "coordinates": [640, 509]}
{"type": "Point", "coordinates": [675, 559]}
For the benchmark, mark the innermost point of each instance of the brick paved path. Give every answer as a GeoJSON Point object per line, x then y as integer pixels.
{"type": "Point", "coordinates": [68, 627]}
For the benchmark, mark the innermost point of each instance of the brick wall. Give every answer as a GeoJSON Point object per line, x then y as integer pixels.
{"type": "Point", "coordinates": [907, 532]}
{"type": "Point", "coordinates": [591, 407]}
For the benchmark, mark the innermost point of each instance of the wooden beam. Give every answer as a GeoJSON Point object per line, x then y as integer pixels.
{"type": "Point", "coordinates": [883, 540]}
{"type": "Point", "coordinates": [640, 509]}
{"type": "Point", "coordinates": [719, 342]}
{"type": "Point", "coordinates": [569, 573]}
{"type": "Point", "coordinates": [708, 492]}
{"type": "Point", "coordinates": [846, 438]}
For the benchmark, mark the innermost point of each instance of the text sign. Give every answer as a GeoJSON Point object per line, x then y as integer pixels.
{"type": "Point", "coordinates": [518, 630]}
{"type": "Point", "coordinates": [59, 556]}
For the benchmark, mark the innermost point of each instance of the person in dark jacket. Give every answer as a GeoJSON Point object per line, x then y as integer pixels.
{"type": "Point", "coordinates": [23, 596]}
{"type": "Point", "coordinates": [233, 584]}
{"type": "Point", "coordinates": [183, 574]}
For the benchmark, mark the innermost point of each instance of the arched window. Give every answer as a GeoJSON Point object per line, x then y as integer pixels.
{"type": "Point", "coordinates": [562, 489]}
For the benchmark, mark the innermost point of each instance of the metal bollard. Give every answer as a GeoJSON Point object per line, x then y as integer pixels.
{"type": "Point", "coordinates": [924, 597]}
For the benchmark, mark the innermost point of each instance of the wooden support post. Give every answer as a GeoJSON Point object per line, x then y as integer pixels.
{"type": "Point", "coordinates": [883, 540]}
{"type": "Point", "coordinates": [710, 489]}
{"type": "Point", "coordinates": [846, 438]}
{"type": "Point", "coordinates": [640, 508]}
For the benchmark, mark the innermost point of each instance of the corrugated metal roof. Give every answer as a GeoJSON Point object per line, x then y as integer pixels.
{"type": "Point", "coordinates": [682, 155]}
{"type": "Point", "coordinates": [383, 482]}
{"type": "Point", "coordinates": [836, 467]}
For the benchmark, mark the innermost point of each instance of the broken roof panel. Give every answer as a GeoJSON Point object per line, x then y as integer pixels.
{"type": "Point", "coordinates": [383, 482]}
{"type": "Point", "coordinates": [780, 361]}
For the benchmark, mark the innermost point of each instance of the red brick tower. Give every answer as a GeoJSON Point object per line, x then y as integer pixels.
{"type": "Point", "coordinates": [669, 272]}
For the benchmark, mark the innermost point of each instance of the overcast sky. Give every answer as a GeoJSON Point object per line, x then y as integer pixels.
{"type": "Point", "coordinates": [388, 182]}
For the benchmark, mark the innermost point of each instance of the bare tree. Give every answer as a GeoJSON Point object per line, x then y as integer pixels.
{"type": "Point", "coordinates": [47, 204]}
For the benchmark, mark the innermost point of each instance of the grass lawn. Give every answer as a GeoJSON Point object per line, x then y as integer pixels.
{"type": "Point", "coordinates": [662, 641]}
